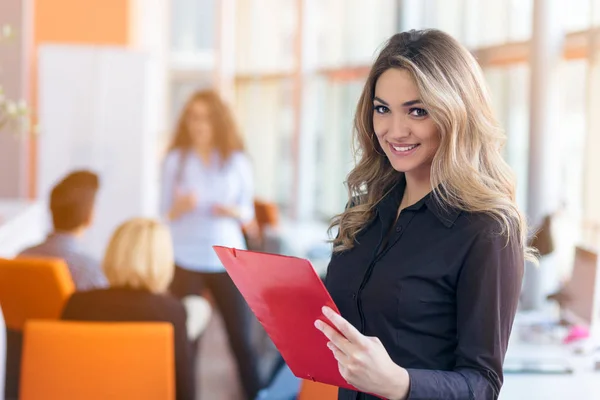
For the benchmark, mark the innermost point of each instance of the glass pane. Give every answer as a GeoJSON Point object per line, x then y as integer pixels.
{"type": "Point", "coordinates": [496, 79]}
{"type": "Point", "coordinates": [192, 25]}
{"type": "Point", "coordinates": [516, 124]}
{"type": "Point", "coordinates": [521, 20]}
{"type": "Point", "coordinates": [265, 115]}
{"type": "Point", "coordinates": [339, 41]}
{"type": "Point", "coordinates": [448, 17]}
{"type": "Point", "coordinates": [591, 222]}
{"type": "Point", "coordinates": [473, 22]}
{"type": "Point", "coordinates": [487, 23]}
{"type": "Point", "coordinates": [596, 12]}
{"type": "Point", "coordinates": [572, 80]}
{"type": "Point", "coordinates": [493, 23]}
{"type": "Point", "coordinates": [412, 14]}
{"type": "Point", "coordinates": [572, 134]}
{"type": "Point", "coordinates": [334, 149]}
{"type": "Point", "coordinates": [265, 35]}
{"type": "Point", "coordinates": [509, 89]}
{"type": "Point", "coordinates": [576, 16]}
{"type": "Point", "coordinates": [573, 120]}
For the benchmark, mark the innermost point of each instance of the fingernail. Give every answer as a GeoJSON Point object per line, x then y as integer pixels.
{"type": "Point", "coordinates": [318, 325]}
{"type": "Point", "coordinates": [326, 310]}
{"type": "Point", "coordinates": [330, 345]}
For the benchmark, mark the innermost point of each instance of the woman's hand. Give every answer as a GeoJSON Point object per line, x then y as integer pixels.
{"type": "Point", "coordinates": [363, 361]}
{"type": "Point", "coordinates": [182, 203]}
{"type": "Point", "coordinates": [226, 211]}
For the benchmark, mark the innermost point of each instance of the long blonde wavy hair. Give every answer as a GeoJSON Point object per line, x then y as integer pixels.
{"type": "Point", "coordinates": [468, 171]}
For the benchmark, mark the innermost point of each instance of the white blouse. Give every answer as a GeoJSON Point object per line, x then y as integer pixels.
{"type": "Point", "coordinates": [215, 183]}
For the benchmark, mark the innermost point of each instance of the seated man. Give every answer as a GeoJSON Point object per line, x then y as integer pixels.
{"type": "Point", "coordinates": [72, 206]}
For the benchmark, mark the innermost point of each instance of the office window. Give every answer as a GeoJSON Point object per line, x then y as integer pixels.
{"type": "Point", "coordinates": [509, 87]}
{"type": "Point", "coordinates": [572, 131]}
{"type": "Point", "coordinates": [334, 144]}
{"type": "Point", "coordinates": [190, 61]}
{"type": "Point", "coordinates": [351, 31]}
{"type": "Point", "coordinates": [516, 124]}
{"type": "Point", "coordinates": [193, 26]}
{"type": "Point", "coordinates": [265, 36]}
{"type": "Point", "coordinates": [265, 116]}
{"type": "Point", "coordinates": [487, 23]}
{"type": "Point", "coordinates": [591, 222]}
{"type": "Point", "coordinates": [447, 16]}
{"type": "Point", "coordinates": [571, 137]}
{"type": "Point", "coordinates": [520, 21]}
{"type": "Point", "coordinates": [577, 15]}
{"type": "Point", "coordinates": [473, 22]}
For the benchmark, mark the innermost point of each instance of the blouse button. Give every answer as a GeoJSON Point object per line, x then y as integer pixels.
{"type": "Point", "coordinates": [399, 228]}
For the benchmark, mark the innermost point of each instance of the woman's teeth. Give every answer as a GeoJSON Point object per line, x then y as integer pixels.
{"type": "Point", "coordinates": [404, 148]}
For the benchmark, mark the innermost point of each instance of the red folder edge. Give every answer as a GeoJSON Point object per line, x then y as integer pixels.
{"type": "Point", "coordinates": [274, 286]}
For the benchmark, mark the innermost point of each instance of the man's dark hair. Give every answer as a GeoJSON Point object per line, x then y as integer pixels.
{"type": "Point", "coordinates": [72, 200]}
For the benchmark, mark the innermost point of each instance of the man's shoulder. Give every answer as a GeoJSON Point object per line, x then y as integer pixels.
{"type": "Point", "coordinates": [86, 271]}
{"type": "Point", "coordinates": [83, 258]}
{"type": "Point", "coordinates": [35, 250]}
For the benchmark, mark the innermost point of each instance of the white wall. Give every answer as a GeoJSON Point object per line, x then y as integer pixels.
{"type": "Point", "coordinates": [97, 108]}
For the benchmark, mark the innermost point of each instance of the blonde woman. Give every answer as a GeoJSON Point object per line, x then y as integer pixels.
{"type": "Point", "coordinates": [139, 267]}
{"type": "Point", "coordinates": [429, 258]}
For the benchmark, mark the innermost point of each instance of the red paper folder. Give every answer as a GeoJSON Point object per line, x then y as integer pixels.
{"type": "Point", "coordinates": [286, 295]}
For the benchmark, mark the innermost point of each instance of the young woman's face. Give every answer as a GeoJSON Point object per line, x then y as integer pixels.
{"type": "Point", "coordinates": [406, 133]}
{"type": "Point", "coordinates": [198, 124]}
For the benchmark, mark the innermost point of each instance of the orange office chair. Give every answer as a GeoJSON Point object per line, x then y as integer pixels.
{"type": "Point", "coordinates": [266, 213]}
{"type": "Point", "coordinates": [97, 361]}
{"type": "Point", "coordinates": [29, 288]}
{"type": "Point", "coordinates": [33, 288]}
{"type": "Point", "coordinates": [310, 390]}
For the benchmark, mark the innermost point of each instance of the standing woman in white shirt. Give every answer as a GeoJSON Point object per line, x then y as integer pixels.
{"type": "Point", "coordinates": [207, 196]}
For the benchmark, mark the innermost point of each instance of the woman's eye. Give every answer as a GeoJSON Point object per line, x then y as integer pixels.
{"type": "Point", "coordinates": [379, 109]}
{"type": "Point", "coordinates": [418, 112]}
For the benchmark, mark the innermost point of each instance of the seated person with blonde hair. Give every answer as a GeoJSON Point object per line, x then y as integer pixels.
{"type": "Point", "coordinates": [139, 266]}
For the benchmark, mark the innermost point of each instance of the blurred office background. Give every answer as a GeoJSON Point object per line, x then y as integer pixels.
{"type": "Point", "coordinates": [106, 79]}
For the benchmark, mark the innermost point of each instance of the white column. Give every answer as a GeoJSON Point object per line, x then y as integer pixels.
{"type": "Point", "coordinates": [543, 195]}
{"type": "Point", "coordinates": [149, 32]}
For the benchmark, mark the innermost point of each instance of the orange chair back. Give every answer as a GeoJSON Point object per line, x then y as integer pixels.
{"type": "Point", "coordinates": [310, 390]}
{"type": "Point", "coordinates": [33, 288]}
{"type": "Point", "coordinates": [98, 361]}
{"type": "Point", "coordinates": [266, 213]}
